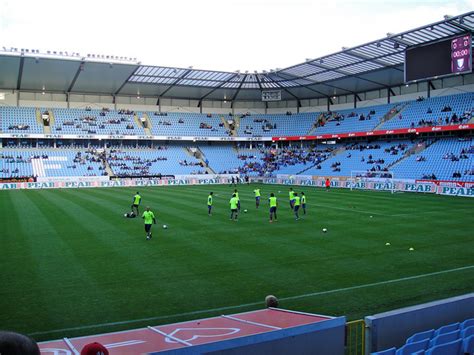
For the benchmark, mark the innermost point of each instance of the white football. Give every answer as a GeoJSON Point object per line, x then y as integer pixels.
{"type": "Point", "coordinates": [324, 230]}
{"type": "Point", "coordinates": [125, 214]}
{"type": "Point", "coordinates": [165, 226]}
{"type": "Point", "coordinates": [245, 211]}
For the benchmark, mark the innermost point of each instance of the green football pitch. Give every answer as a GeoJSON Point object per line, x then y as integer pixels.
{"type": "Point", "coordinates": [71, 264]}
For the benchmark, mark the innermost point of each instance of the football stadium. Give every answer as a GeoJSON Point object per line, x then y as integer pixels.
{"type": "Point", "coordinates": [321, 208]}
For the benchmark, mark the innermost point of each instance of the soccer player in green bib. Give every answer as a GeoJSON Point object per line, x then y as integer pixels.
{"type": "Point", "coordinates": [209, 204]}
{"type": "Point", "coordinates": [273, 207]}
{"type": "Point", "coordinates": [257, 197]}
{"type": "Point", "coordinates": [149, 218]}
{"type": "Point", "coordinates": [296, 205]}
{"type": "Point", "coordinates": [291, 195]}
{"type": "Point", "coordinates": [136, 202]}
{"type": "Point", "coordinates": [238, 199]}
{"type": "Point", "coordinates": [234, 211]}
{"type": "Point", "coordinates": [303, 202]}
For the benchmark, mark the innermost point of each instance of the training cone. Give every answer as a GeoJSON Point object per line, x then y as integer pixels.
{"type": "Point", "coordinates": [387, 244]}
{"type": "Point", "coordinates": [411, 249]}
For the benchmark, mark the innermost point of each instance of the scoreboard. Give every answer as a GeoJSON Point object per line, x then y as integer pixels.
{"type": "Point", "coordinates": [443, 58]}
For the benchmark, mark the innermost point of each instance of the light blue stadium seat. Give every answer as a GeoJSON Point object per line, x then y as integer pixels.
{"type": "Point", "coordinates": [410, 348]}
{"type": "Point", "coordinates": [467, 323]}
{"type": "Point", "coordinates": [421, 336]}
{"type": "Point", "coordinates": [468, 345]}
{"type": "Point", "coordinates": [447, 329]}
{"type": "Point", "coordinates": [452, 348]}
{"type": "Point", "coordinates": [467, 332]}
{"type": "Point", "coordinates": [445, 338]}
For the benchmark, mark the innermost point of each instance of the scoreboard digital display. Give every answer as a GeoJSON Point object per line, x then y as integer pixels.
{"type": "Point", "coordinates": [447, 57]}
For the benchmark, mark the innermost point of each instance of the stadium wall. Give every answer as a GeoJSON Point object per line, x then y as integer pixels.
{"type": "Point", "coordinates": [447, 188]}
{"type": "Point", "coordinates": [385, 330]}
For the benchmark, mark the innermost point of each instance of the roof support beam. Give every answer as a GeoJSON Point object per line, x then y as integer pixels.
{"type": "Point", "coordinates": [214, 89]}
{"type": "Point", "coordinates": [126, 80]}
{"type": "Point", "coordinates": [456, 23]}
{"type": "Point", "coordinates": [430, 87]}
{"type": "Point", "coordinates": [329, 103]}
{"type": "Point", "coordinates": [238, 90]}
{"type": "Point", "coordinates": [347, 74]}
{"type": "Point", "coordinates": [356, 98]}
{"type": "Point", "coordinates": [20, 73]}
{"type": "Point", "coordinates": [176, 82]}
{"type": "Point", "coordinates": [285, 90]}
{"type": "Point", "coordinates": [79, 69]}
{"type": "Point", "coordinates": [261, 89]}
{"type": "Point", "coordinates": [307, 86]}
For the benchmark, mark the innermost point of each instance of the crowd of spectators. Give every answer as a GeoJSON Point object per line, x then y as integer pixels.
{"type": "Point", "coordinates": [90, 156]}
{"type": "Point", "coordinates": [454, 157]}
{"type": "Point", "coordinates": [429, 176]}
{"type": "Point", "coordinates": [90, 123]}
{"type": "Point", "coordinates": [275, 159]}
{"type": "Point", "coordinates": [130, 165]}
{"type": "Point", "coordinates": [21, 127]}
{"type": "Point", "coordinates": [454, 119]}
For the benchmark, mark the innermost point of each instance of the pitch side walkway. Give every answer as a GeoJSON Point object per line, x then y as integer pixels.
{"type": "Point", "coordinates": [157, 339]}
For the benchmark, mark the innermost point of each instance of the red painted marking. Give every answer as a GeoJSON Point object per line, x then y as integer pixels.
{"type": "Point", "coordinates": [211, 330]}
{"type": "Point", "coordinates": [203, 331]}
{"type": "Point", "coordinates": [280, 319]}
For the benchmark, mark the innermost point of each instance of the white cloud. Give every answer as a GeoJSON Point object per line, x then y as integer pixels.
{"type": "Point", "coordinates": [211, 34]}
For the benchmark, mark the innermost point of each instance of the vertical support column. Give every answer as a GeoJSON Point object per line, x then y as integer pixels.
{"type": "Point", "coordinates": [18, 98]}
{"type": "Point", "coordinates": [329, 104]}
{"type": "Point", "coordinates": [355, 100]}
{"type": "Point", "coordinates": [388, 95]}
{"type": "Point", "coordinates": [428, 93]}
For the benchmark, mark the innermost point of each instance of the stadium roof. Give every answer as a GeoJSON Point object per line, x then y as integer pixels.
{"type": "Point", "coordinates": [371, 66]}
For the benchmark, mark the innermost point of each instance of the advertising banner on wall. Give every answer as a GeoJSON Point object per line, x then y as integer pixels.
{"type": "Point", "coordinates": [443, 188]}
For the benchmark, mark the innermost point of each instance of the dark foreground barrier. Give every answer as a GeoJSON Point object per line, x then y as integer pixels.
{"type": "Point", "coordinates": [385, 330]}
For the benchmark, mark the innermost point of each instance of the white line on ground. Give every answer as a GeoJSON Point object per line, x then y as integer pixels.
{"type": "Point", "coordinates": [169, 336]}
{"type": "Point", "coordinates": [70, 346]}
{"type": "Point", "coordinates": [251, 322]}
{"type": "Point", "coordinates": [204, 311]}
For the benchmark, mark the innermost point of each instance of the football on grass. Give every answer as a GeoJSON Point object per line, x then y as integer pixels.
{"type": "Point", "coordinates": [165, 226]}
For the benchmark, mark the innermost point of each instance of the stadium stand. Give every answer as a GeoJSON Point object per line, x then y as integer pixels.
{"type": "Point", "coordinates": [276, 125]}
{"type": "Point", "coordinates": [58, 162]}
{"type": "Point", "coordinates": [446, 159]}
{"type": "Point", "coordinates": [166, 160]}
{"type": "Point", "coordinates": [19, 120]}
{"type": "Point", "coordinates": [92, 121]}
{"type": "Point", "coordinates": [437, 111]}
{"type": "Point", "coordinates": [456, 338]}
{"type": "Point", "coordinates": [225, 158]}
{"type": "Point", "coordinates": [354, 120]}
{"type": "Point", "coordinates": [186, 124]}
{"type": "Point", "coordinates": [373, 156]}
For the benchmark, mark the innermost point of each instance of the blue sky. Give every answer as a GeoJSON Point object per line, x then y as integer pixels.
{"type": "Point", "coordinates": [212, 34]}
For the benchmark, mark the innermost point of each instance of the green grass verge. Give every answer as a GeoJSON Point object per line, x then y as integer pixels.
{"type": "Point", "coordinates": [72, 264]}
